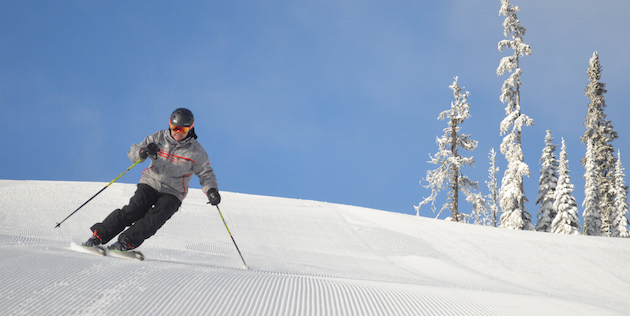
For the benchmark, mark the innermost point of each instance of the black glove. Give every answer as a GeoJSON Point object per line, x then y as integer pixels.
{"type": "Point", "coordinates": [150, 150]}
{"type": "Point", "coordinates": [214, 196]}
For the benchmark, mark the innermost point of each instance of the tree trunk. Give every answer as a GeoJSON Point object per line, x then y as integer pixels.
{"type": "Point", "coordinates": [455, 171]}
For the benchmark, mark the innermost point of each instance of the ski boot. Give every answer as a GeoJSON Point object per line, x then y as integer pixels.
{"type": "Point", "coordinates": [123, 249]}
{"type": "Point", "coordinates": [121, 245]}
{"type": "Point", "coordinates": [95, 240]}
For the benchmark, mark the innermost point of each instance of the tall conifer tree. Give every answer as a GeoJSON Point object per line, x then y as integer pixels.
{"type": "Point", "coordinates": [566, 220]}
{"type": "Point", "coordinates": [547, 185]}
{"type": "Point", "coordinates": [512, 194]}
{"type": "Point", "coordinates": [449, 174]}
{"type": "Point", "coordinates": [599, 130]}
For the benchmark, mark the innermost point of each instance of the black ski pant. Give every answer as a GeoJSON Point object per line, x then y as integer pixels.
{"type": "Point", "coordinates": [146, 212]}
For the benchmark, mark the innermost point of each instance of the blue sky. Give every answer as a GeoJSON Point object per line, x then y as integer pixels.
{"type": "Point", "coordinates": [323, 100]}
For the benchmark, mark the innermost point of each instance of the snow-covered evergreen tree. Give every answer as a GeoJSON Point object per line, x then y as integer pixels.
{"type": "Point", "coordinates": [448, 159]}
{"type": "Point", "coordinates": [619, 226]}
{"type": "Point", "coordinates": [547, 185]}
{"type": "Point", "coordinates": [599, 130]}
{"type": "Point", "coordinates": [479, 214]}
{"type": "Point", "coordinates": [592, 212]}
{"type": "Point", "coordinates": [492, 199]}
{"type": "Point", "coordinates": [566, 220]}
{"type": "Point", "coordinates": [512, 194]}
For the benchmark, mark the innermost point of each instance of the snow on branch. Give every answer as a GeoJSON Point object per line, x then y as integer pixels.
{"type": "Point", "coordinates": [512, 195]}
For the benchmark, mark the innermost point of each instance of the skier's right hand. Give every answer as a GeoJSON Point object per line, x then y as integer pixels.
{"type": "Point", "coordinates": [150, 150]}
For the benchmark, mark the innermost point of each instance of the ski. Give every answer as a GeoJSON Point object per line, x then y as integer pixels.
{"type": "Point", "coordinates": [102, 251]}
{"type": "Point", "coordinates": [95, 250]}
{"type": "Point", "coordinates": [130, 254]}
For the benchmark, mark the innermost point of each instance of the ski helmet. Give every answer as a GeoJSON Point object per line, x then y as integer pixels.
{"type": "Point", "coordinates": [182, 117]}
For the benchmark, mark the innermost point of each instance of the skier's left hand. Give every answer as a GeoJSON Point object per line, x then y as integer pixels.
{"type": "Point", "coordinates": [214, 197]}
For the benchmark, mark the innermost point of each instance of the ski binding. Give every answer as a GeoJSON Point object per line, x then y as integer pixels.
{"type": "Point", "coordinates": [96, 250]}
{"type": "Point", "coordinates": [130, 254]}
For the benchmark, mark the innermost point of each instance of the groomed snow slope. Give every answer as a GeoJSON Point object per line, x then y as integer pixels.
{"type": "Point", "coordinates": [305, 258]}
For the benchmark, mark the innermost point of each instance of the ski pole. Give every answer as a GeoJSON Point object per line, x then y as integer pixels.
{"type": "Point", "coordinates": [226, 227]}
{"type": "Point", "coordinates": [99, 192]}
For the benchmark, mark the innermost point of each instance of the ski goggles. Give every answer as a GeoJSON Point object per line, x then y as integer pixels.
{"type": "Point", "coordinates": [179, 129]}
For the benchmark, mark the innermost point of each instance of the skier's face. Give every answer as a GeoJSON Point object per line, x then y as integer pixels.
{"type": "Point", "coordinates": [178, 136]}
{"type": "Point", "coordinates": [179, 133]}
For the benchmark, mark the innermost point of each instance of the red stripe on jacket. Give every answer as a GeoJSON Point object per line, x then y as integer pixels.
{"type": "Point", "coordinates": [170, 157]}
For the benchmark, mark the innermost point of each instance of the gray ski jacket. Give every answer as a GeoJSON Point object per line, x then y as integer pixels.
{"type": "Point", "coordinates": [175, 165]}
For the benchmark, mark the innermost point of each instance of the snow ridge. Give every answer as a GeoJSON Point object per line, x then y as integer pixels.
{"type": "Point", "coordinates": [305, 258]}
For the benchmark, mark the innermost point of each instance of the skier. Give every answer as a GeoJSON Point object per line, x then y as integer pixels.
{"type": "Point", "coordinates": [175, 155]}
